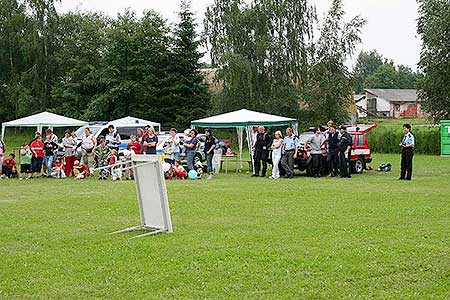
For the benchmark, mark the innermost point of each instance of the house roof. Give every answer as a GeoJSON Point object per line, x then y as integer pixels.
{"type": "Point", "coordinates": [395, 95]}
{"type": "Point", "coordinates": [358, 97]}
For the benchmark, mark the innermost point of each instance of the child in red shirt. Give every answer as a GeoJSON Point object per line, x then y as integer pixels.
{"type": "Point", "coordinates": [178, 171]}
{"type": "Point", "coordinates": [58, 169]}
{"type": "Point", "coordinates": [80, 170]}
{"type": "Point", "coordinates": [9, 166]}
{"type": "Point", "coordinates": [37, 156]}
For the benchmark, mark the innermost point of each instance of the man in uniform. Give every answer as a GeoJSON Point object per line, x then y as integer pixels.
{"type": "Point", "coordinates": [262, 146]}
{"type": "Point", "coordinates": [407, 145]}
{"type": "Point", "coordinates": [344, 147]}
{"type": "Point", "coordinates": [289, 153]}
{"type": "Point", "coordinates": [332, 153]}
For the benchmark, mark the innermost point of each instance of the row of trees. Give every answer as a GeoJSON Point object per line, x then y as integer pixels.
{"type": "Point", "coordinates": [269, 59]}
{"type": "Point", "coordinates": [89, 66]}
{"type": "Point", "coordinates": [372, 70]}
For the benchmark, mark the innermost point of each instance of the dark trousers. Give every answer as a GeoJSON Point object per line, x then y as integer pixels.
{"type": "Point", "coordinates": [261, 156]}
{"type": "Point", "coordinates": [333, 162]}
{"type": "Point", "coordinates": [287, 162]}
{"type": "Point", "coordinates": [406, 164]}
{"type": "Point", "coordinates": [6, 171]}
{"type": "Point", "coordinates": [209, 158]}
{"type": "Point", "coordinates": [316, 164]}
{"type": "Point", "coordinates": [344, 164]}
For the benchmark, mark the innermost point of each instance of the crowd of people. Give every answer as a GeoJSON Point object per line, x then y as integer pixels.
{"type": "Point", "coordinates": [78, 157]}
{"type": "Point", "coordinates": [330, 149]}
{"type": "Point", "coordinates": [81, 155]}
{"type": "Point", "coordinates": [335, 145]}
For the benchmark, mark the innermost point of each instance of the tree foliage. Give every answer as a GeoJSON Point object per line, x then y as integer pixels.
{"type": "Point", "coordinates": [372, 70]}
{"type": "Point", "coordinates": [268, 59]}
{"type": "Point", "coordinates": [85, 65]}
{"type": "Point", "coordinates": [434, 29]}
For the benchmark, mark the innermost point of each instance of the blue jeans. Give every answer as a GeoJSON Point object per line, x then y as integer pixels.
{"type": "Point", "coordinates": [48, 161]}
{"type": "Point", "coordinates": [190, 159]}
{"type": "Point", "coordinates": [209, 158]}
{"type": "Point", "coordinates": [177, 155]}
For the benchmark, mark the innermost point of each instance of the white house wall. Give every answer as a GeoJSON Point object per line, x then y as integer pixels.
{"type": "Point", "coordinates": [383, 105]}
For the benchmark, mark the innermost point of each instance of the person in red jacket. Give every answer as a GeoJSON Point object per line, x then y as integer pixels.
{"type": "Point", "coordinates": [37, 156]}
{"type": "Point", "coordinates": [9, 166]}
{"type": "Point", "coordinates": [80, 170]}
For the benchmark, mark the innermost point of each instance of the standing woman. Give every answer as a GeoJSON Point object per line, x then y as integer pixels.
{"type": "Point", "coordinates": [88, 143]}
{"type": "Point", "coordinates": [176, 143]}
{"type": "Point", "coordinates": [210, 145]}
{"type": "Point", "coordinates": [37, 157]}
{"type": "Point", "coordinates": [191, 148]}
{"type": "Point", "coordinates": [69, 145]}
{"type": "Point", "coordinates": [276, 154]}
{"type": "Point", "coordinates": [150, 141]}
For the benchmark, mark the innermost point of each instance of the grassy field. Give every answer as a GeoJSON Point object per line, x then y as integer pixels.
{"type": "Point", "coordinates": [235, 237]}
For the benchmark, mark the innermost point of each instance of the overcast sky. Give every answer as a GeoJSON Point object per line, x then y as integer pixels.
{"type": "Point", "coordinates": [390, 28]}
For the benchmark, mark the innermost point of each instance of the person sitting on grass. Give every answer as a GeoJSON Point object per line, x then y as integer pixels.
{"type": "Point", "coordinates": [58, 169]}
{"type": "Point", "coordinates": [25, 162]}
{"type": "Point", "coordinates": [9, 166]}
{"type": "Point", "coordinates": [102, 153]}
{"type": "Point", "coordinates": [80, 170]}
{"type": "Point", "coordinates": [116, 172]}
{"type": "Point", "coordinates": [178, 170]}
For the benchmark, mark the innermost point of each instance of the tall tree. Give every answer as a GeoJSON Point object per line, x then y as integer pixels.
{"type": "Point", "coordinates": [328, 93]}
{"type": "Point", "coordinates": [434, 29]}
{"type": "Point", "coordinates": [188, 97]}
{"type": "Point", "coordinates": [268, 58]}
{"type": "Point", "coordinates": [367, 63]}
{"type": "Point", "coordinates": [81, 39]}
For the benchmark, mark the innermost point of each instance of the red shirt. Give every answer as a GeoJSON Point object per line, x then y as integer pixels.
{"type": "Point", "coordinates": [9, 162]}
{"type": "Point", "coordinates": [37, 153]}
{"type": "Point", "coordinates": [112, 160]}
{"type": "Point", "coordinates": [137, 147]}
{"type": "Point", "coordinates": [83, 168]}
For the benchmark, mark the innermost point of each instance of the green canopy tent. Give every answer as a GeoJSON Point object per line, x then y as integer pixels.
{"type": "Point", "coordinates": [245, 120]}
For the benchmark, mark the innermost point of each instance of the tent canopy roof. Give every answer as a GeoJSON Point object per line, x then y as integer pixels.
{"type": "Point", "coordinates": [242, 118]}
{"type": "Point", "coordinates": [134, 122]}
{"type": "Point", "coordinates": [45, 119]}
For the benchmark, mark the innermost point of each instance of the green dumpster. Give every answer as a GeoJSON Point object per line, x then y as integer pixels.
{"type": "Point", "coordinates": [445, 138]}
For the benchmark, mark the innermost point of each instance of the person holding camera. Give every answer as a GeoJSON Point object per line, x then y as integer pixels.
{"type": "Point", "coordinates": [113, 139]}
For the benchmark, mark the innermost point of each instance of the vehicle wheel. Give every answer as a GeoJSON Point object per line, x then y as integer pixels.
{"type": "Point", "coordinates": [358, 166]}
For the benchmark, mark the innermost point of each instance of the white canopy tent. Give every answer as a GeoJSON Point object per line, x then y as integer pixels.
{"type": "Point", "coordinates": [134, 122]}
{"type": "Point", "coordinates": [245, 120]}
{"type": "Point", "coordinates": [41, 120]}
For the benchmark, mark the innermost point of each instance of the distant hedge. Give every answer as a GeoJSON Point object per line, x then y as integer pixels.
{"type": "Point", "coordinates": [386, 139]}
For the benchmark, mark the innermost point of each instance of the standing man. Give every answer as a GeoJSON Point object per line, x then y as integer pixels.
{"type": "Point", "coordinates": [210, 145]}
{"type": "Point", "coordinates": [289, 153]}
{"type": "Point", "coordinates": [113, 138]}
{"type": "Point", "coordinates": [262, 146]}
{"type": "Point", "coordinates": [345, 146]}
{"type": "Point", "coordinates": [407, 145]}
{"type": "Point", "coordinates": [332, 153]}
{"type": "Point", "coordinates": [316, 142]}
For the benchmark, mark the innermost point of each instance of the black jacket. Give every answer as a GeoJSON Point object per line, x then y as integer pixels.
{"type": "Point", "coordinates": [345, 141]}
{"type": "Point", "coordinates": [263, 142]}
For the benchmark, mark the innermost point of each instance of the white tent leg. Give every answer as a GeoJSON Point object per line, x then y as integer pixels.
{"type": "Point", "coordinates": [250, 145]}
{"type": "Point", "coordinates": [3, 132]}
{"type": "Point", "coordinates": [240, 132]}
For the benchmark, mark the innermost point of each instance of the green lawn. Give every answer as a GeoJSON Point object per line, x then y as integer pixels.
{"type": "Point", "coordinates": [236, 237]}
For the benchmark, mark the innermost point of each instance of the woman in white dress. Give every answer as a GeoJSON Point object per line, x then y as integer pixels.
{"type": "Point", "coordinates": [276, 154]}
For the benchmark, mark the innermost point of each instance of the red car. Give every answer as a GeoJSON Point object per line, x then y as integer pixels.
{"type": "Point", "coordinates": [360, 154]}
